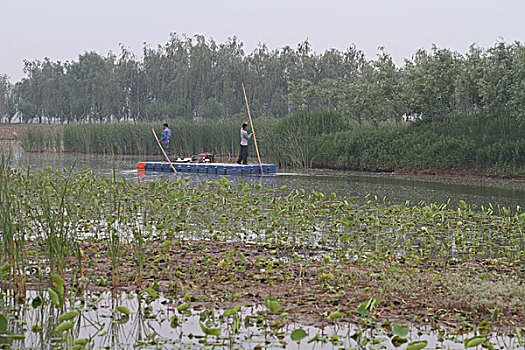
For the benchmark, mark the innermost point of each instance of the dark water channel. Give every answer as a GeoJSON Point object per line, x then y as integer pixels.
{"type": "Point", "coordinates": [392, 188]}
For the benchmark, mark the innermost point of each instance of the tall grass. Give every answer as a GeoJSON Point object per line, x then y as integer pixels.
{"type": "Point", "coordinates": [57, 216]}
{"type": "Point", "coordinates": [12, 252]}
{"type": "Point", "coordinates": [291, 141]}
{"type": "Point", "coordinates": [454, 145]}
{"type": "Point", "coordinates": [40, 138]}
{"type": "Point", "coordinates": [315, 139]}
{"type": "Point", "coordinates": [188, 138]}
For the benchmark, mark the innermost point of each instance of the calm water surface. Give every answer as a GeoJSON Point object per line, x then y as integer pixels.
{"type": "Point", "coordinates": [149, 326]}
{"type": "Point", "coordinates": [391, 188]}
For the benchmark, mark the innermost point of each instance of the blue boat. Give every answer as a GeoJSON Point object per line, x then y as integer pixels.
{"type": "Point", "coordinates": [209, 168]}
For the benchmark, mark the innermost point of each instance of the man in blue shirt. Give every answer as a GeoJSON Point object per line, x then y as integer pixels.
{"type": "Point", "coordinates": [165, 139]}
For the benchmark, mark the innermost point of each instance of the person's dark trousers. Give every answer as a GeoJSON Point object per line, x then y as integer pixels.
{"type": "Point", "coordinates": [165, 147]}
{"type": "Point", "coordinates": [243, 157]}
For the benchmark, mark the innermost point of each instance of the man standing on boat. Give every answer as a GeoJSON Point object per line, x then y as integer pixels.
{"type": "Point", "coordinates": [165, 140]}
{"type": "Point", "coordinates": [243, 157]}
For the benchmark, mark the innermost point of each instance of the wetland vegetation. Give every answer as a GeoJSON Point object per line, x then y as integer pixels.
{"type": "Point", "coordinates": [96, 261]}
{"type": "Point", "coordinates": [320, 139]}
{"type": "Point", "coordinates": [209, 251]}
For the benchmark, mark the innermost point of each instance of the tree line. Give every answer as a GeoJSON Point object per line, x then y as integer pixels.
{"type": "Point", "coordinates": [197, 78]}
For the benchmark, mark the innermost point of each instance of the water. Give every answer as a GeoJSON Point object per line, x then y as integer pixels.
{"type": "Point", "coordinates": [105, 328]}
{"type": "Point", "coordinates": [157, 324]}
{"type": "Point", "coordinates": [392, 188]}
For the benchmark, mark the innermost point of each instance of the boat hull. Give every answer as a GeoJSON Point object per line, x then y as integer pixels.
{"type": "Point", "coordinates": [208, 168]}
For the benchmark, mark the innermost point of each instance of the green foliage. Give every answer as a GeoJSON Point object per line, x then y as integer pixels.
{"type": "Point", "coordinates": [210, 330]}
{"type": "Point", "coordinates": [183, 307]}
{"type": "Point", "coordinates": [3, 324]}
{"type": "Point", "coordinates": [301, 219]}
{"type": "Point", "coordinates": [67, 316]}
{"type": "Point", "coordinates": [231, 311]}
{"type": "Point", "coordinates": [401, 331]}
{"type": "Point", "coordinates": [55, 297]}
{"type": "Point", "coordinates": [367, 307]}
{"type": "Point", "coordinates": [58, 283]}
{"type": "Point", "coordinates": [335, 315]}
{"type": "Point", "coordinates": [474, 341]}
{"type": "Point", "coordinates": [64, 326]}
{"type": "Point", "coordinates": [188, 138]}
{"type": "Point", "coordinates": [456, 144]}
{"type": "Point", "coordinates": [471, 104]}
{"type": "Point", "coordinates": [37, 302]}
{"type": "Point", "coordinates": [272, 305]}
{"type": "Point", "coordinates": [321, 139]}
{"type": "Point", "coordinates": [194, 78]}
{"type": "Point", "coordinates": [298, 334]}
{"type": "Point", "coordinates": [291, 141]}
{"type": "Point", "coordinates": [417, 345]}
{"type": "Point", "coordinates": [124, 310]}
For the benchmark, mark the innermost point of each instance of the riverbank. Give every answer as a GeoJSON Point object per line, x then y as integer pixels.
{"type": "Point", "coordinates": [461, 173]}
{"type": "Point", "coordinates": [10, 132]}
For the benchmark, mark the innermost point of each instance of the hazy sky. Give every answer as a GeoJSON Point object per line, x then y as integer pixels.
{"type": "Point", "coordinates": [61, 30]}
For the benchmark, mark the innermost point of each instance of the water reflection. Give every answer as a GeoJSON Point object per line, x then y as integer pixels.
{"type": "Point", "coordinates": [195, 179]}
{"type": "Point", "coordinates": [128, 321]}
{"type": "Point", "coordinates": [398, 189]}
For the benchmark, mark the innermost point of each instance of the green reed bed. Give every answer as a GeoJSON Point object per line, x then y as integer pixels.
{"type": "Point", "coordinates": [12, 257]}
{"type": "Point", "coordinates": [188, 138]}
{"type": "Point", "coordinates": [288, 141]}
{"type": "Point", "coordinates": [311, 139]}
{"type": "Point", "coordinates": [220, 242]}
{"type": "Point", "coordinates": [40, 138]}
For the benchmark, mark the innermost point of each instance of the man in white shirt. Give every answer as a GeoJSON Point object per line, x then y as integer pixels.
{"type": "Point", "coordinates": [243, 157]}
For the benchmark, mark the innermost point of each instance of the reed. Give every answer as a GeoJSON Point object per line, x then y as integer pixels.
{"type": "Point", "coordinates": [116, 222]}
{"type": "Point", "coordinates": [316, 139]}
{"type": "Point", "coordinates": [12, 227]}
{"type": "Point", "coordinates": [56, 215]}
{"type": "Point", "coordinates": [41, 138]}
{"type": "Point", "coordinates": [454, 145]}
{"type": "Point", "coordinates": [188, 138]}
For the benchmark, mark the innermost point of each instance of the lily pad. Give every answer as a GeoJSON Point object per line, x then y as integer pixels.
{"type": "Point", "coordinates": [417, 345]}
{"type": "Point", "coordinates": [298, 334]}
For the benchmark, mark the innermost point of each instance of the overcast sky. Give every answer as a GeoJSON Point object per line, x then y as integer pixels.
{"type": "Point", "coordinates": [63, 29]}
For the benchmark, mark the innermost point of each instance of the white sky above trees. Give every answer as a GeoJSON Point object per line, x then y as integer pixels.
{"type": "Point", "coordinates": [63, 29]}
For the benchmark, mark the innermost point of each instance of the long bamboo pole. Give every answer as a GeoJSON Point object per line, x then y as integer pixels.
{"type": "Point", "coordinates": [253, 130]}
{"type": "Point", "coordinates": [162, 149]}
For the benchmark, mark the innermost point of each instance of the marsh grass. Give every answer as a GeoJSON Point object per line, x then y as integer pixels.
{"type": "Point", "coordinates": [310, 139]}
{"type": "Point", "coordinates": [12, 253]}
{"type": "Point", "coordinates": [188, 138]}
{"type": "Point", "coordinates": [40, 138]}
{"type": "Point", "coordinates": [223, 240]}
{"type": "Point", "coordinates": [57, 216]}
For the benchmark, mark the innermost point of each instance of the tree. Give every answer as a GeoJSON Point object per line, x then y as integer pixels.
{"type": "Point", "coordinates": [430, 81]}
{"type": "Point", "coordinates": [4, 91]}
